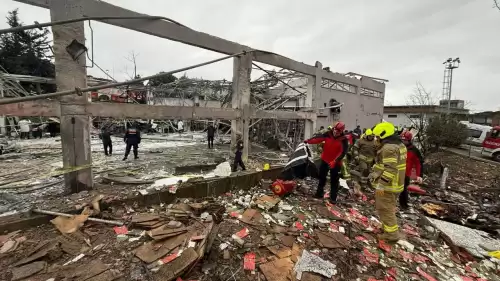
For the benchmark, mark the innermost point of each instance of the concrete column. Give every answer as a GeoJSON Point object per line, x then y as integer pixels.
{"type": "Point", "coordinates": [313, 95]}
{"type": "Point", "coordinates": [75, 123]}
{"type": "Point", "coordinates": [3, 129]}
{"type": "Point", "coordinates": [242, 67]}
{"type": "Point", "coordinates": [310, 101]}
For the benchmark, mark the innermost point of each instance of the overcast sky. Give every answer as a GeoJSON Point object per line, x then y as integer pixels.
{"type": "Point", "coordinates": [402, 41]}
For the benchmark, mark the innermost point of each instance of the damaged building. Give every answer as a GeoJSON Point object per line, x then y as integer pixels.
{"type": "Point", "coordinates": [179, 212]}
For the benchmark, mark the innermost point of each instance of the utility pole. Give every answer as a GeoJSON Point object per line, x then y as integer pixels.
{"type": "Point", "coordinates": [449, 65]}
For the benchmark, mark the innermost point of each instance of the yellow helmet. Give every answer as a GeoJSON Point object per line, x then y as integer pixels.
{"type": "Point", "coordinates": [384, 130]}
{"type": "Point", "coordinates": [368, 132]}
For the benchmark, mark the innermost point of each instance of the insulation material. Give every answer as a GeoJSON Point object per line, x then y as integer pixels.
{"type": "Point", "coordinates": [312, 263]}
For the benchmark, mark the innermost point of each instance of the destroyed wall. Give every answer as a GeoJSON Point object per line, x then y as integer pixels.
{"type": "Point", "coordinates": [184, 102]}
{"type": "Point", "coordinates": [358, 109]}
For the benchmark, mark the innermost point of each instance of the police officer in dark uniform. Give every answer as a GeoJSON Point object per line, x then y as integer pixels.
{"type": "Point", "coordinates": [238, 159]}
{"type": "Point", "coordinates": [210, 135]}
{"type": "Point", "coordinates": [106, 141]}
{"type": "Point", "coordinates": [132, 139]}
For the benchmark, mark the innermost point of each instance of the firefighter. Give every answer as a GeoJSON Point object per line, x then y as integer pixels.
{"type": "Point", "coordinates": [334, 151]}
{"type": "Point", "coordinates": [238, 159]}
{"type": "Point", "coordinates": [105, 136]}
{"type": "Point", "coordinates": [364, 151]}
{"type": "Point", "coordinates": [388, 177]}
{"type": "Point", "coordinates": [415, 160]}
{"type": "Point", "coordinates": [132, 139]}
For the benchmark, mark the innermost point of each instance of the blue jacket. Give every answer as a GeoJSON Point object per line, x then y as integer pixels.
{"type": "Point", "coordinates": [132, 136]}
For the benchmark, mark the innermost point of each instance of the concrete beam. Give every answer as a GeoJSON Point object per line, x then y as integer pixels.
{"type": "Point", "coordinates": [120, 110]}
{"type": "Point", "coordinates": [46, 108]}
{"type": "Point", "coordinates": [52, 108]}
{"type": "Point", "coordinates": [283, 115]}
{"type": "Point", "coordinates": [172, 31]}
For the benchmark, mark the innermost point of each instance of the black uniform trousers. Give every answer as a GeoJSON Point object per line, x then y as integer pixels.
{"type": "Point", "coordinates": [324, 168]}
{"type": "Point", "coordinates": [128, 147]}
{"type": "Point", "coordinates": [404, 197]}
{"type": "Point", "coordinates": [238, 161]}
{"type": "Point", "coordinates": [108, 147]}
{"type": "Point", "coordinates": [210, 141]}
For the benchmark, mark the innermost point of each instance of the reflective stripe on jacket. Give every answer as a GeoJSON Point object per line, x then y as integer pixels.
{"type": "Point", "coordinates": [366, 150]}
{"type": "Point", "coordinates": [390, 166]}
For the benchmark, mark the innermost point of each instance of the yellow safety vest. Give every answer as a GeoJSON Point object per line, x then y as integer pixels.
{"type": "Point", "coordinates": [390, 167]}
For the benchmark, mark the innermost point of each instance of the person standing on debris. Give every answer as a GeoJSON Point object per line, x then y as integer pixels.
{"type": "Point", "coordinates": [105, 135]}
{"type": "Point", "coordinates": [388, 178]}
{"type": "Point", "coordinates": [414, 160]}
{"type": "Point", "coordinates": [334, 151]}
{"type": "Point", "coordinates": [132, 139]}
{"type": "Point", "coordinates": [37, 131]}
{"type": "Point", "coordinates": [24, 128]}
{"type": "Point", "coordinates": [238, 155]}
{"type": "Point", "coordinates": [357, 132]}
{"type": "Point", "coordinates": [210, 135]}
{"type": "Point", "coordinates": [364, 152]}
{"type": "Point", "coordinates": [180, 127]}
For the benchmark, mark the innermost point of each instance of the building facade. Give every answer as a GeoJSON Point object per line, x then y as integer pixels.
{"type": "Point", "coordinates": [412, 115]}
{"type": "Point", "coordinates": [360, 104]}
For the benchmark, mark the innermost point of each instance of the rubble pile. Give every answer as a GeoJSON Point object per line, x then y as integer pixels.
{"type": "Point", "coordinates": [471, 194]}
{"type": "Point", "coordinates": [245, 235]}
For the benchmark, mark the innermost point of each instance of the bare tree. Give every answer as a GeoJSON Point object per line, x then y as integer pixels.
{"type": "Point", "coordinates": [132, 57]}
{"type": "Point", "coordinates": [420, 100]}
{"type": "Point", "coordinates": [496, 4]}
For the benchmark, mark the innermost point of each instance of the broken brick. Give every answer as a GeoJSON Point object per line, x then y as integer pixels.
{"type": "Point", "coordinates": [249, 261]}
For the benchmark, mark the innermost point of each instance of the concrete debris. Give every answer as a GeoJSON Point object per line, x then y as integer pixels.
{"type": "Point", "coordinates": [28, 270]}
{"type": "Point", "coordinates": [252, 235]}
{"type": "Point", "coordinates": [407, 245]}
{"type": "Point", "coordinates": [267, 202]}
{"type": "Point", "coordinates": [467, 238]}
{"type": "Point", "coordinates": [223, 170]}
{"type": "Point", "coordinates": [9, 246]}
{"type": "Point", "coordinates": [278, 270]}
{"type": "Point", "coordinates": [312, 263]}
{"type": "Point", "coordinates": [332, 240]}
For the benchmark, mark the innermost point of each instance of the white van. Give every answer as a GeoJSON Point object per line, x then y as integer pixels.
{"type": "Point", "coordinates": [477, 133]}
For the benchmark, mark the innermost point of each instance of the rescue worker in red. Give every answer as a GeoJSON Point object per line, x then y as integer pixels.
{"type": "Point", "coordinates": [414, 160]}
{"type": "Point", "coordinates": [334, 150]}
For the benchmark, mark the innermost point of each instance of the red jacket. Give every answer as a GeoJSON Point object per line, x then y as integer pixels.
{"type": "Point", "coordinates": [349, 137]}
{"type": "Point", "coordinates": [334, 149]}
{"type": "Point", "coordinates": [415, 160]}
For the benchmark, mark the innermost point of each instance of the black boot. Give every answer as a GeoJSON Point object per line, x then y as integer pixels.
{"type": "Point", "coordinates": [124, 158]}
{"type": "Point", "coordinates": [319, 194]}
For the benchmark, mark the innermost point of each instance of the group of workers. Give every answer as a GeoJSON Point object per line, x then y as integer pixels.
{"type": "Point", "coordinates": [132, 140]}
{"type": "Point", "coordinates": [384, 159]}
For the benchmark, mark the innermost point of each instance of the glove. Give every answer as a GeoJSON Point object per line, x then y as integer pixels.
{"type": "Point", "coordinates": [419, 180]}
{"type": "Point", "coordinates": [332, 164]}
